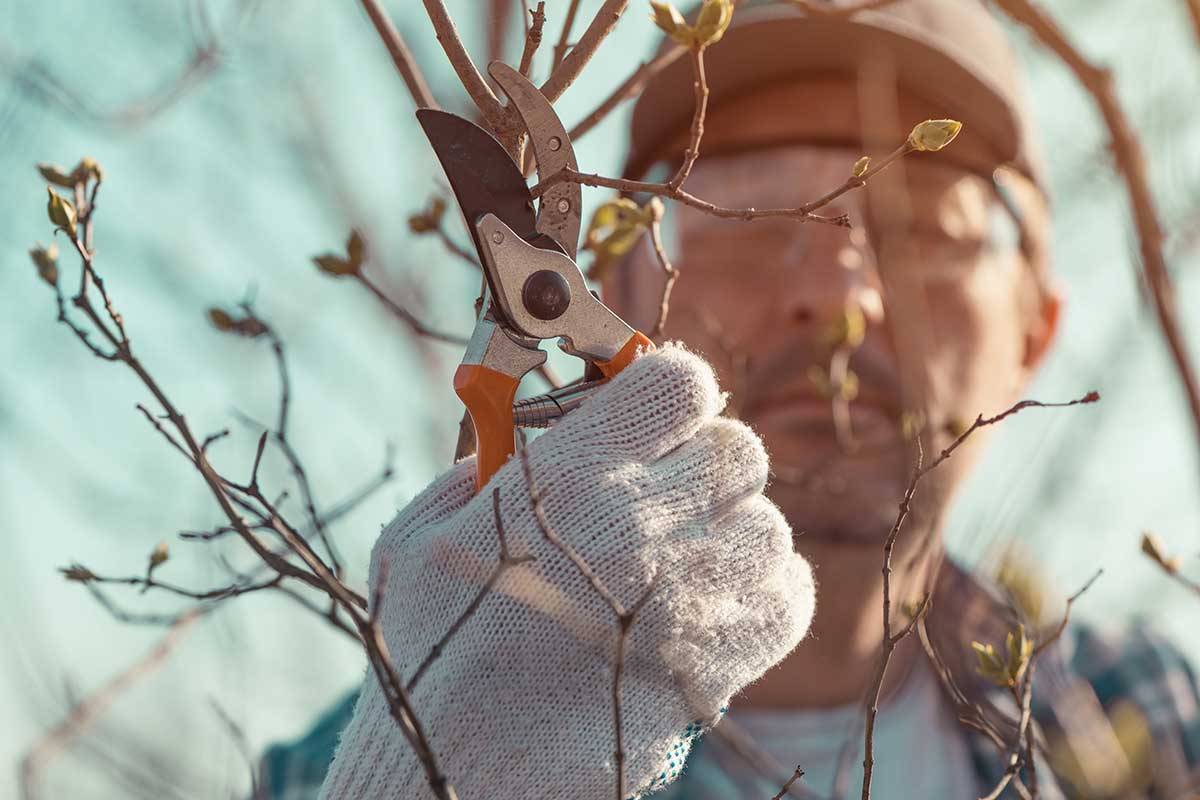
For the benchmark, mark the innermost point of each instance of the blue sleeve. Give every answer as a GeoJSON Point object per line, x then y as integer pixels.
{"type": "Point", "coordinates": [295, 770]}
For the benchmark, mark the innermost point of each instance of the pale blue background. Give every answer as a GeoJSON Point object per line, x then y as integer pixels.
{"type": "Point", "coordinates": [303, 131]}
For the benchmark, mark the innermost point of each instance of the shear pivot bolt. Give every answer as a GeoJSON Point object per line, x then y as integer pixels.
{"type": "Point", "coordinates": [555, 143]}
{"type": "Point", "coordinates": [498, 237]}
{"type": "Point", "coordinates": [564, 206]}
{"type": "Point", "coordinates": [546, 294]}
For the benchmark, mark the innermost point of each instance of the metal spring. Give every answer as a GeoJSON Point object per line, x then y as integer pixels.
{"type": "Point", "coordinates": [543, 410]}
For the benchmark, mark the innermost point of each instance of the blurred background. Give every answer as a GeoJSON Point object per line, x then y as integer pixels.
{"type": "Point", "coordinates": [302, 129]}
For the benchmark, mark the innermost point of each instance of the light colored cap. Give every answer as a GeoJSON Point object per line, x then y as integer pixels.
{"type": "Point", "coordinates": [951, 58]}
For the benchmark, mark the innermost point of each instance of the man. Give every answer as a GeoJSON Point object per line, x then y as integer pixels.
{"type": "Point", "coordinates": [843, 348]}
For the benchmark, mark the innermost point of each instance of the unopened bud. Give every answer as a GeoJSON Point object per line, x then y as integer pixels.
{"type": "Point", "coordinates": [46, 261]}
{"type": "Point", "coordinates": [220, 319]}
{"type": "Point", "coordinates": [934, 134]}
{"type": "Point", "coordinates": [61, 212]}
{"type": "Point", "coordinates": [159, 554]}
{"type": "Point", "coordinates": [356, 248]}
{"type": "Point", "coordinates": [861, 166]}
{"type": "Point", "coordinates": [714, 18]}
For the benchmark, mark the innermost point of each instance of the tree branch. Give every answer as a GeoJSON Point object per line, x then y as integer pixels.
{"type": "Point", "coordinates": [572, 64]}
{"type": "Point", "coordinates": [402, 57]}
{"type": "Point", "coordinates": [482, 94]}
{"type": "Point", "coordinates": [1132, 167]}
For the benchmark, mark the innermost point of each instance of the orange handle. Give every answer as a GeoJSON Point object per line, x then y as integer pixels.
{"type": "Point", "coordinates": [488, 396]}
{"type": "Point", "coordinates": [622, 359]}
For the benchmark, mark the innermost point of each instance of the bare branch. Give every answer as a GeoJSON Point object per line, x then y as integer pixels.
{"type": "Point", "coordinates": [630, 87]}
{"type": "Point", "coordinates": [700, 87]}
{"type": "Point", "coordinates": [1132, 166]}
{"type": "Point", "coordinates": [406, 316]}
{"type": "Point", "coordinates": [564, 38]}
{"type": "Point", "coordinates": [890, 640]}
{"type": "Point", "coordinates": [568, 69]}
{"type": "Point", "coordinates": [402, 57]}
{"type": "Point", "coordinates": [506, 561]}
{"type": "Point", "coordinates": [803, 213]}
{"type": "Point", "coordinates": [797, 775]}
{"type": "Point", "coordinates": [625, 616]}
{"type": "Point", "coordinates": [482, 94]}
{"type": "Point", "coordinates": [533, 38]}
{"type": "Point", "coordinates": [671, 273]}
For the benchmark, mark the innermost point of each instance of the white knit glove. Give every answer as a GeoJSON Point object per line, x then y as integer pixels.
{"type": "Point", "coordinates": [651, 488]}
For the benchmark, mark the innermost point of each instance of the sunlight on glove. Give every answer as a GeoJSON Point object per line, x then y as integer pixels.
{"type": "Point", "coordinates": [652, 489]}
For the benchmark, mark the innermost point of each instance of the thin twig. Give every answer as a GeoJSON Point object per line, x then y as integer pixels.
{"type": "Point", "coordinates": [568, 69]}
{"type": "Point", "coordinates": [696, 131]}
{"type": "Point", "coordinates": [564, 38]}
{"type": "Point", "coordinates": [406, 316]}
{"type": "Point", "coordinates": [402, 57]}
{"type": "Point", "coordinates": [399, 704]}
{"type": "Point", "coordinates": [630, 87]}
{"type": "Point", "coordinates": [482, 94]}
{"type": "Point", "coordinates": [669, 271]}
{"type": "Point", "coordinates": [797, 775]}
{"type": "Point", "coordinates": [625, 616]}
{"type": "Point", "coordinates": [506, 560]}
{"type": "Point", "coordinates": [890, 640]}
{"type": "Point", "coordinates": [803, 213]}
{"type": "Point", "coordinates": [533, 38]}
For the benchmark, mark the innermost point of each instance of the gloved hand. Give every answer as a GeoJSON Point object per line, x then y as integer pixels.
{"type": "Point", "coordinates": [652, 489]}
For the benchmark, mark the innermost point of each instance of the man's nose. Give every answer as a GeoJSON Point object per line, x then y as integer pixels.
{"type": "Point", "coordinates": [835, 276]}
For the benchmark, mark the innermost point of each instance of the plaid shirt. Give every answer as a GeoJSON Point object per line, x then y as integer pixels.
{"type": "Point", "coordinates": [1116, 715]}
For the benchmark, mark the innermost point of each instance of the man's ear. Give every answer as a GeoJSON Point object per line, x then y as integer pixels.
{"type": "Point", "coordinates": [1043, 324]}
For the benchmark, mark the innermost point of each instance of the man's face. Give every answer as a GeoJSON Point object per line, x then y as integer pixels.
{"type": "Point", "coordinates": [925, 303]}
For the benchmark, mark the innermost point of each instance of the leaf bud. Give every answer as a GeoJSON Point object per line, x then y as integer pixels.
{"type": "Point", "coordinates": [61, 212]}
{"type": "Point", "coordinates": [46, 261]}
{"type": "Point", "coordinates": [934, 134]}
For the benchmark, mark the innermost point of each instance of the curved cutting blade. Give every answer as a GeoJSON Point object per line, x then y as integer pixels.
{"type": "Point", "coordinates": [560, 209]}
{"type": "Point", "coordinates": [484, 179]}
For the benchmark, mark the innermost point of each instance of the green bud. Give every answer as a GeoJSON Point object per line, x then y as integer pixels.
{"type": "Point", "coordinates": [670, 21]}
{"type": "Point", "coordinates": [861, 166]}
{"type": "Point", "coordinates": [61, 212]}
{"type": "Point", "coordinates": [46, 261]}
{"type": "Point", "coordinates": [934, 134]}
{"type": "Point", "coordinates": [714, 18]}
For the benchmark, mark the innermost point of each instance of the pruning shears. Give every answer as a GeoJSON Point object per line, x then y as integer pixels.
{"type": "Point", "coordinates": [535, 290]}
